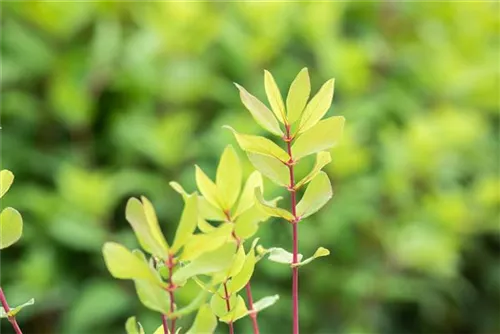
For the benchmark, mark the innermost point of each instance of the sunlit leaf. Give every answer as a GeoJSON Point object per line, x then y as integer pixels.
{"type": "Point", "coordinates": [298, 95]}
{"type": "Point", "coordinates": [322, 159]}
{"type": "Point", "coordinates": [270, 167]}
{"type": "Point", "coordinates": [208, 211]}
{"type": "Point", "coordinates": [178, 188]}
{"type": "Point", "coordinates": [317, 194]}
{"type": "Point", "coordinates": [247, 224]}
{"type": "Point", "coordinates": [322, 136]}
{"type": "Point", "coordinates": [269, 209]}
{"type": "Point", "coordinates": [321, 251]}
{"type": "Point", "coordinates": [133, 327]}
{"type": "Point", "coordinates": [11, 227]}
{"type": "Point", "coordinates": [187, 224]}
{"type": "Point", "coordinates": [153, 296]}
{"type": "Point", "coordinates": [199, 244]}
{"type": "Point", "coordinates": [317, 107]}
{"type": "Point", "coordinates": [260, 145]}
{"type": "Point", "coordinates": [208, 263]}
{"type": "Point", "coordinates": [262, 115]}
{"type": "Point", "coordinates": [247, 197]}
{"type": "Point", "coordinates": [280, 255]}
{"type": "Point", "coordinates": [160, 330]}
{"type": "Point", "coordinates": [15, 310]}
{"type": "Point", "coordinates": [238, 262]}
{"type": "Point", "coordinates": [265, 302]}
{"type": "Point", "coordinates": [205, 226]}
{"type": "Point", "coordinates": [229, 176]}
{"type": "Point", "coordinates": [205, 321]}
{"type": "Point", "coordinates": [274, 97]}
{"type": "Point", "coordinates": [6, 179]}
{"type": "Point", "coordinates": [238, 311]}
{"type": "Point", "coordinates": [207, 188]}
{"type": "Point", "coordinates": [218, 303]}
{"type": "Point", "coordinates": [239, 281]}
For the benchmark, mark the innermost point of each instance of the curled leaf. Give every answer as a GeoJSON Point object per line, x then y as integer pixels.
{"type": "Point", "coordinates": [133, 327]}
{"type": "Point", "coordinates": [322, 159]}
{"type": "Point", "coordinates": [269, 209]}
{"type": "Point", "coordinates": [321, 251]}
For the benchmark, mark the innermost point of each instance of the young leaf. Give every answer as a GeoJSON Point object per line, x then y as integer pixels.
{"type": "Point", "coordinates": [280, 255]}
{"type": "Point", "coordinates": [317, 107]}
{"type": "Point", "coordinates": [322, 136]}
{"type": "Point", "coordinates": [322, 159]}
{"type": "Point", "coordinates": [205, 226]}
{"type": "Point", "coordinates": [298, 95]}
{"type": "Point", "coordinates": [187, 224]}
{"type": "Point", "coordinates": [206, 264]}
{"type": "Point", "coordinates": [260, 145]}
{"type": "Point", "coordinates": [123, 264]}
{"type": "Point", "coordinates": [237, 312]}
{"type": "Point", "coordinates": [274, 97]}
{"type": "Point", "coordinates": [262, 115]}
{"type": "Point", "coordinates": [321, 251]}
{"type": "Point", "coordinates": [218, 304]}
{"type": "Point", "coordinates": [6, 179]}
{"type": "Point", "coordinates": [192, 306]}
{"type": "Point", "coordinates": [178, 188]}
{"type": "Point", "coordinates": [207, 188]}
{"type": "Point", "coordinates": [153, 296]}
{"type": "Point", "coordinates": [265, 302]}
{"type": "Point", "coordinates": [15, 310]}
{"type": "Point", "coordinates": [247, 224]}
{"type": "Point", "coordinates": [133, 327]}
{"type": "Point", "coordinates": [247, 196]}
{"type": "Point", "coordinates": [228, 179]}
{"type": "Point", "coordinates": [205, 321]}
{"type": "Point", "coordinates": [273, 169]}
{"type": "Point", "coordinates": [316, 195]}
{"type": "Point", "coordinates": [239, 281]}
{"type": "Point", "coordinates": [199, 244]}
{"type": "Point", "coordinates": [160, 330]}
{"type": "Point", "coordinates": [208, 211]}
{"type": "Point", "coordinates": [269, 209]}
{"type": "Point", "coordinates": [11, 227]}
{"type": "Point", "coordinates": [238, 262]}
{"type": "Point", "coordinates": [142, 218]}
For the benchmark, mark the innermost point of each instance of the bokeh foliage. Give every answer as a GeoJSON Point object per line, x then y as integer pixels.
{"type": "Point", "coordinates": [104, 100]}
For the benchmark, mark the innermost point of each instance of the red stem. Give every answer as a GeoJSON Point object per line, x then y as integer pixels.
{"type": "Point", "coordinates": [170, 265]}
{"type": "Point", "coordinates": [295, 237]}
{"type": "Point", "coordinates": [228, 307]}
{"type": "Point", "coordinates": [165, 324]}
{"type": "Point", "coordinates": [6, 307]}
{"type": "Point", "coordinates": [253, 315]}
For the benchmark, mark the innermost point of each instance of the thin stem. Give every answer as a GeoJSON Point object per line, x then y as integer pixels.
{"type": "Point", "coordinates": [228, 308]}
{"type": "Point", "coordinates": [170, 265]}
{"type": "Point", "coordinates": [6, 307]}
{"type": "Point", "coordinates": [295, 236]}
{"type": "Point", "coordinates": [253, 315]}
{"type": "Point", "coordinates": [165, 324]}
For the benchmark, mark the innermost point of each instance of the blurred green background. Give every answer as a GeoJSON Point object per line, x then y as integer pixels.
{"type": "Point", "coordinates": [102, 101]}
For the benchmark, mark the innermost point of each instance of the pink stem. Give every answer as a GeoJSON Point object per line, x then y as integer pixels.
{"type": "Point", "coordinates": [228, 307]}
{"type": "Point", "coordinates": [165, 324]}
{"type": "Point", "coordinates": [6, 307]}
{"type": "Point", "coordinates": [170, 265]}
{"type": "Point", "coordinates": [253, 315]}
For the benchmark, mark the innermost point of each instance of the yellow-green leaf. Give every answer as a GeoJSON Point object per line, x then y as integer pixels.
{"type": "Point", "coordinates": [320, 137]}
{"type": "Point", "coordinates": [228, 179]}
{"type": "Point", "coordinates": [208, 211]}
{"type": "Point", "coordinates": [11, 227]}
{"type": "Point", "coordinates": [269, 209]}
{"type": "Point", "coordinates": [270, 167]}
{"type": "Point", "coordinates": [6, 179]}
{"type": "Point", "coordinates": [153, 296]}
{"type": "Point", "coordinates": [207, 188]}
{"type": "Point", "coordinates": [199, 244]}
{"type": "Point", "coordinates": [274, 97]}
{"type": "Point", "coordinates": [237, 312]}
{"type": "Point", "coordinates": [265, 302]}
{"type": "Point", "coordinates": [218, 304]}
{"type": "Point", "coordinates": [187, 224]}
{"type": "Point", "coordinates": [262, 115]}
{"type": "Point", "coordinates": [205, 321]}
{"type": "Point", "coordinates": [133, 327]}
{"type": "Point", "coordinates": [247, 196]}
{"type": "Point", "coordinates": [15, 310]}
{"type": "Point", "coordinates": [316, 195]}
{"type": "Point", "coordinates": [238, 262]}
{"type": "Point", "coordinates": [321, 251]}
{"type": "Point", "coordinates": [299, 92]}
{"type": "Point", "coordinates": [317, 107]}
{"type": "Point", "coordinates": [239, 281]}
{"type": "Point", "coordinates": [260, 145]}
{"type": "Point", "coordinates": [322, 159]}
{"type": "Point", "coordinates": [205, 226]}
{"type": "Point", "coordinates": [280, 255]}
{"type": "Point", "coordinates": [247, 224]}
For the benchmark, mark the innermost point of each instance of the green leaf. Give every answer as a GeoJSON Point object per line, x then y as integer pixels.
{"type": "Point", "coordinates": [238, 262]}
{"type": "Point", "coordinates": [153, 296]}
{"type": "Point", "coordinates": [269, 209]}
{"type": "Point", "coordinates": [199, 244]}
{"type": "Point", "coordinates": [274, 97]}
{"type": "Point", "coordinates": [205, 226]}
{"type": "Point", "coordinates": [316, 195]}
{"type": "Point", "coordinates": [178, 188]}
{"type": "Point", "coordinates": [238, 311]}
{"type": "Point", "coordinates": [160, 330]}
{"type": "Point", "coordinates": [133, 327]}
{"type": "Point", "coordinates": [229, 176]}
{"type": "Point", "coordinates": [207, 188]}
{"type": "Point", "coordinates": [208, 211]}
{"type": "Point", "coordinates": [142, 218]}
{"type": "Point", "coordinates": [218, 303]}
{"type": "Point", "coordinates": [247, 224]}
{"type": "Point", "coordinates": [322, 136]}
{"type": "Point", "coordinates": [298, 95]}
{"type": "Point", "coordinates": [239, 281]}
{"type": "Point", "coordinates": [205, 321]}
{"type": "Point", "coordinates": [6, 179]}
{"type": "Point", "coordinates": [321, 251]}
{"type": "Point", "coordinates": [280, 255]}
{"type": "Point", "coordinates": [322, 159]}
{"type": "Point", "coordinates": [270, 167]}
{"type": "Point", "coordinates": [260, 145]}
{"type": "Point", "coordinates": [265, 302]}
{"type": "Point", "coordinates": [11, 227]}
{"type": "Point", "coordinates": [208, 263]}
{"type": "Point", "coordinates": [262, 115]}
{"type": "Point", "coordinates": [247, 197]}
{"type": "Point", "coordinates": [192, 306]}
{"type": "Point", "coordinates": [317, 107]}
{"type": "Point", "coordinates": [15, 310]}
{"type": "Point", "coordinates": [123, 264]}
{"type": "Point", "coordinates": [187, 224]}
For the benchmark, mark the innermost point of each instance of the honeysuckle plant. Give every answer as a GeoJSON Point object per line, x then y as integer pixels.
{"type": "Point", "coordinates": [208, 248]}
{"type": "Point", "coordinates": [299, 126]}
{"type": "Point", "coordinates": [11, 229]}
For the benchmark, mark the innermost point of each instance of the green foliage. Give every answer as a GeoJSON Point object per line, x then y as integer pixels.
{"type": "Point", "coordinates": [15, 310]}
{"type": "Point", "coordinates": [11, 222]}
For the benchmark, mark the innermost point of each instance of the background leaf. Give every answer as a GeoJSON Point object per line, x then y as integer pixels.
{"type": "Point", "coordinates": [11, 227]}
{"type": "Point", "coordinates": [6, 179]}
